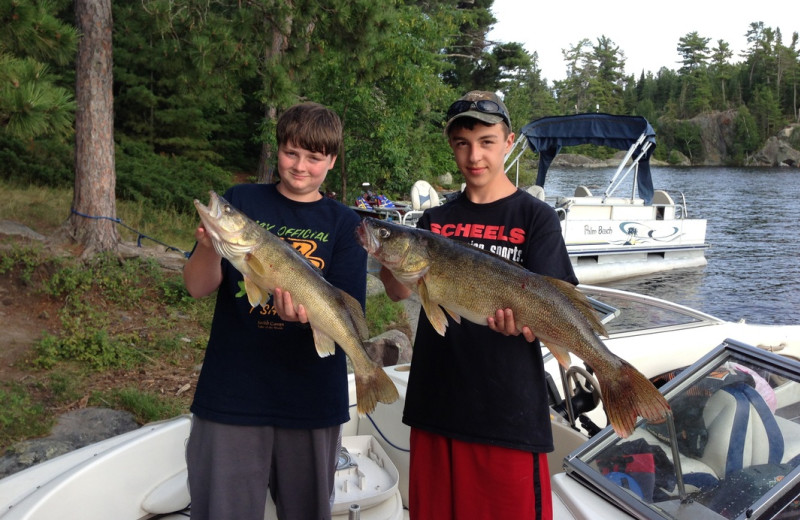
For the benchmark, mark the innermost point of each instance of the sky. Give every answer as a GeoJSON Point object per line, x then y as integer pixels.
{"type": "Point", "coordinates": [548, 27]}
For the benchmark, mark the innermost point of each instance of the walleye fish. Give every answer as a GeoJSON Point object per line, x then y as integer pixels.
{"type": "Point", "coordinates": [559, 315]}
{"type": "Point", "coordinates": [267, 262]}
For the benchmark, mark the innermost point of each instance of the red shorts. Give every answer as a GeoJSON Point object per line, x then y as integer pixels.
{"type": "Point", "coordinates": [450, 479]}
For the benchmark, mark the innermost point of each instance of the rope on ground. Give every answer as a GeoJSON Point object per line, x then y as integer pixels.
{"type": "Point", "coordinates": [139, 233]}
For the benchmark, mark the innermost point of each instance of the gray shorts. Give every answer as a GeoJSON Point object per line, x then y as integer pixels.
{"type": "Point", "coordinates": [231, 467]}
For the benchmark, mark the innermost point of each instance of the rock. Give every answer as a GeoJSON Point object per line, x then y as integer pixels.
{"type": "Point", "coordinates": [445, 179]}
{"type": "Point", "coordinates": [390, 348]}
{"type": "Point", "coordinates": [89, 425]}
{"type": "Point", "coordinates": [716, 136]}
{"type": "Point", "coordinates": [676, 158]}
{"type": "Point", "coordinates": [374, 285]}
{"type": "Point", "coordinates": [25, 454]}
{"type": "Point", "coordinates": [167, 259]}
{"type": "Point", "coordinates": [777, 152]}
{"type": "Point", "coordinates": [73, 430]}
{"type": "Point", "coordinates": [8, 227]}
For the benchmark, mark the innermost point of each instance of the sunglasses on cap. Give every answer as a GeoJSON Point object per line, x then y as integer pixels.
{"type": "Point", "coordinates": [485, 106]}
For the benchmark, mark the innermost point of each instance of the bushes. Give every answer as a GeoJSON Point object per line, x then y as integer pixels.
{"type": "Point", "coordinates": [160, 181]}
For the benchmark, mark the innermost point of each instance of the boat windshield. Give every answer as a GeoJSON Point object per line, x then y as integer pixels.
{"type": "Point", "coordinates": [624, 312]}
{"type": "Point", "coordinates": [732, 450]}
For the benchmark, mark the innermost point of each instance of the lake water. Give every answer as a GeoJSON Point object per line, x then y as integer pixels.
{"type": "Point", "coordinates": [753, 215]}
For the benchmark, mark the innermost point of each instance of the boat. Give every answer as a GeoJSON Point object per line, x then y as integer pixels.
{"type": "Point", "coordinates": [614, 235]}
{"type": "Point", "coordinates": [749, 429]}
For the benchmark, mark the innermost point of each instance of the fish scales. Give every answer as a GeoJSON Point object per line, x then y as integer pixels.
{"type": "Point", "coordinates": [469, 283]}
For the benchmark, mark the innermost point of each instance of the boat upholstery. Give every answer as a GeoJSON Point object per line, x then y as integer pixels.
{"type": "Point", "coordinates": [742, 431]}
{"type": "Point", "coordinates": [423, 196]}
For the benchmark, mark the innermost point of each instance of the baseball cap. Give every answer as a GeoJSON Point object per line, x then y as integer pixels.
{"type": "Point", "coordinates": [484, 106]}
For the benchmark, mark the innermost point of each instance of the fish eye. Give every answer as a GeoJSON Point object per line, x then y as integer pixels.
{"type": "Point", "coordinates": [226, 208]}
{"type": "Point", "coordinates": [384, 233]}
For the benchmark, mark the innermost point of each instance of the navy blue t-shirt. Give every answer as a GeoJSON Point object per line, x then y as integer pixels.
{"type": "Point", "coordinates": [474, 384]}
{"type": "Point", "coordinates": [258, 369]}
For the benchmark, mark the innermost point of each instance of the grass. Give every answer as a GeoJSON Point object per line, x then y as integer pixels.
{"type": "Point", "coordinates": [123, 334]}
{"type": "Point", "coordinates": [384, 314]}
{"type": "Point", "coordinates": [45, 209]}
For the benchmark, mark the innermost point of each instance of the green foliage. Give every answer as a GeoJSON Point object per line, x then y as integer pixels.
{"type": "Point", "coordinates": [82, 341]}
{"type": "Point", "coordinates": [675, 157]}
{"type": "Point", "coordinates": [95, 336]}
{"type": "Point", "coordinates": [747, 136]}
{"type": "Point", "coordinates": [42, 161]}
{"type": "Point", "coordinates": [679, 135]}
{"type": "Point", "coordinates": [766, 111]}
{"type": "Point", "coordinates": [687, 140]}
{"type": "Point", "coordinates": [198, 87]}
{"type": "Point", "coordinates": [34, 101]}
{"type": "Point", "coordinates": [167, 182]}
{"type": "Point", "coordinates": [145, 406]}
{"type": "Point", "coordinates": [384, 314]}
{"type": "Point", "coordinates": [20, 416]}
{"type": "Point", "coordinates": [21, 260]}
{"type": "Point", "coordinates": [794, 138]}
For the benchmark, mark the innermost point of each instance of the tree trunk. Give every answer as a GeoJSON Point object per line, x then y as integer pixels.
{"type": "Point", "coordinates": [266, 159]}
{"type": "Point", "coordinates": [94, 203]}
{"type": "Point", "coordinates": [273, 54]}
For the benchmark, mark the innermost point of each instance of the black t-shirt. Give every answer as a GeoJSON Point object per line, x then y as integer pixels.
{"type": "Point", "coordinates": [258, 369]}
{"type": "Point", "coordinates": [474, 384]}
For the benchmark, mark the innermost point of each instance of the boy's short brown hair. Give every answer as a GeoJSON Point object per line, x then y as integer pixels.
{"type": "Point", "coordinates": [311, 126]}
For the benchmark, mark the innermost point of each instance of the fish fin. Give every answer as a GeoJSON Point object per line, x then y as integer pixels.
{"type": "Point", "coordinates": [432, 310]}
{"type": "Point", "coordinates": [323, 343]}
{"type": "Point", "coordinates": [255, 295]}
{"type": "Point", "coordinates": [255, 264]}
{"type": "Point", "coordinates": [628, 394]}
{"type": "Point", "coordinates": [456, 317]}
{"type": "Point", "coordinates": [357, 312]}
{"type": "Point", "coordinates": [581, 303]}
{"type": "Point", "coordinates": [373, 388]}
{"type": "Point", "coordinates": [561, 355]}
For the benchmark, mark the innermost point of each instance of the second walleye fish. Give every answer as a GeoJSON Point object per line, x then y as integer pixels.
{"type": "Point", "coordinates": [558, 314]}
{"type": "Point", "coordinates": [267, 262]}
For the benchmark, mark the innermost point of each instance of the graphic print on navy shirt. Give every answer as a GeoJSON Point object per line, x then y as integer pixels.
{"type": "Point", "coordinates": [511, 239]}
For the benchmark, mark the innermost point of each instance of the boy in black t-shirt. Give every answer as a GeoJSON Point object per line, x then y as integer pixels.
{"type": "Point", "coordinates": [267, 409]}
{"type": "Point", "coordinates": [476, 399]}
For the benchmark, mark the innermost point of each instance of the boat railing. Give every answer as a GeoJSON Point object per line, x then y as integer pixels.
{"type": "Point", "coordinates": [617, 180]}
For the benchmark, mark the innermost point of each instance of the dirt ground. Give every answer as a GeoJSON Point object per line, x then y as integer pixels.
{"type": "Point", "coordinates": [26, 314]}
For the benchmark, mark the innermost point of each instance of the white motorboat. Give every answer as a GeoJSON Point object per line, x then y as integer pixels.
{"type": "Point", "coordinates": [742, 449]}
{"type": "Point", "coordinates": [614, 235]}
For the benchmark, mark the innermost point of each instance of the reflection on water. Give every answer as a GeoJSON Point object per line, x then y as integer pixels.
{"type": "Point", "coordinates": [753, 270]}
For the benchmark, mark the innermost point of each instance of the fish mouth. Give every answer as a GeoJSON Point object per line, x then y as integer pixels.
{"type": "Point", "coordinates": [210, 214]}
{"type": "Point", "coordinates": [367, 239]}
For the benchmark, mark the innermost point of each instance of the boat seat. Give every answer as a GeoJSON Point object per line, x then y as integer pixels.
{"type": "Point", "coordinates": [661, 197]}
{"type": "Point", "coordinates": [696, 475]}
{"type": "Point", "coordinates": [582, 191]}
{"type": "Point", "coordinates": [742, 431]}
{"type": "Point", "coordinates": [536, 191]}
{"type": "Point", "coordinates": [423, 196]}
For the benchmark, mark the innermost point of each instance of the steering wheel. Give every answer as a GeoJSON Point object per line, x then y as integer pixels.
{"type": "Point", "coordinates": [580, 380]}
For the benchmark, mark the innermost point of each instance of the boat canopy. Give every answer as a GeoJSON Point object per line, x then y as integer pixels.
{"type": "Point", "coordinates": [633, 133]}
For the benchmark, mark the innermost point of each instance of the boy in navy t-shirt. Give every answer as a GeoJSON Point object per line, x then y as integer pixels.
{"type": "Point", "coordinates": [267, 409]}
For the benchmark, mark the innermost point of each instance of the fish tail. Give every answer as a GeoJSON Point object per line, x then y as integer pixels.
{"type": "Point", "coordinates": [373, 388]}
{"type": "Point", "coordinates": [629, 395]}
